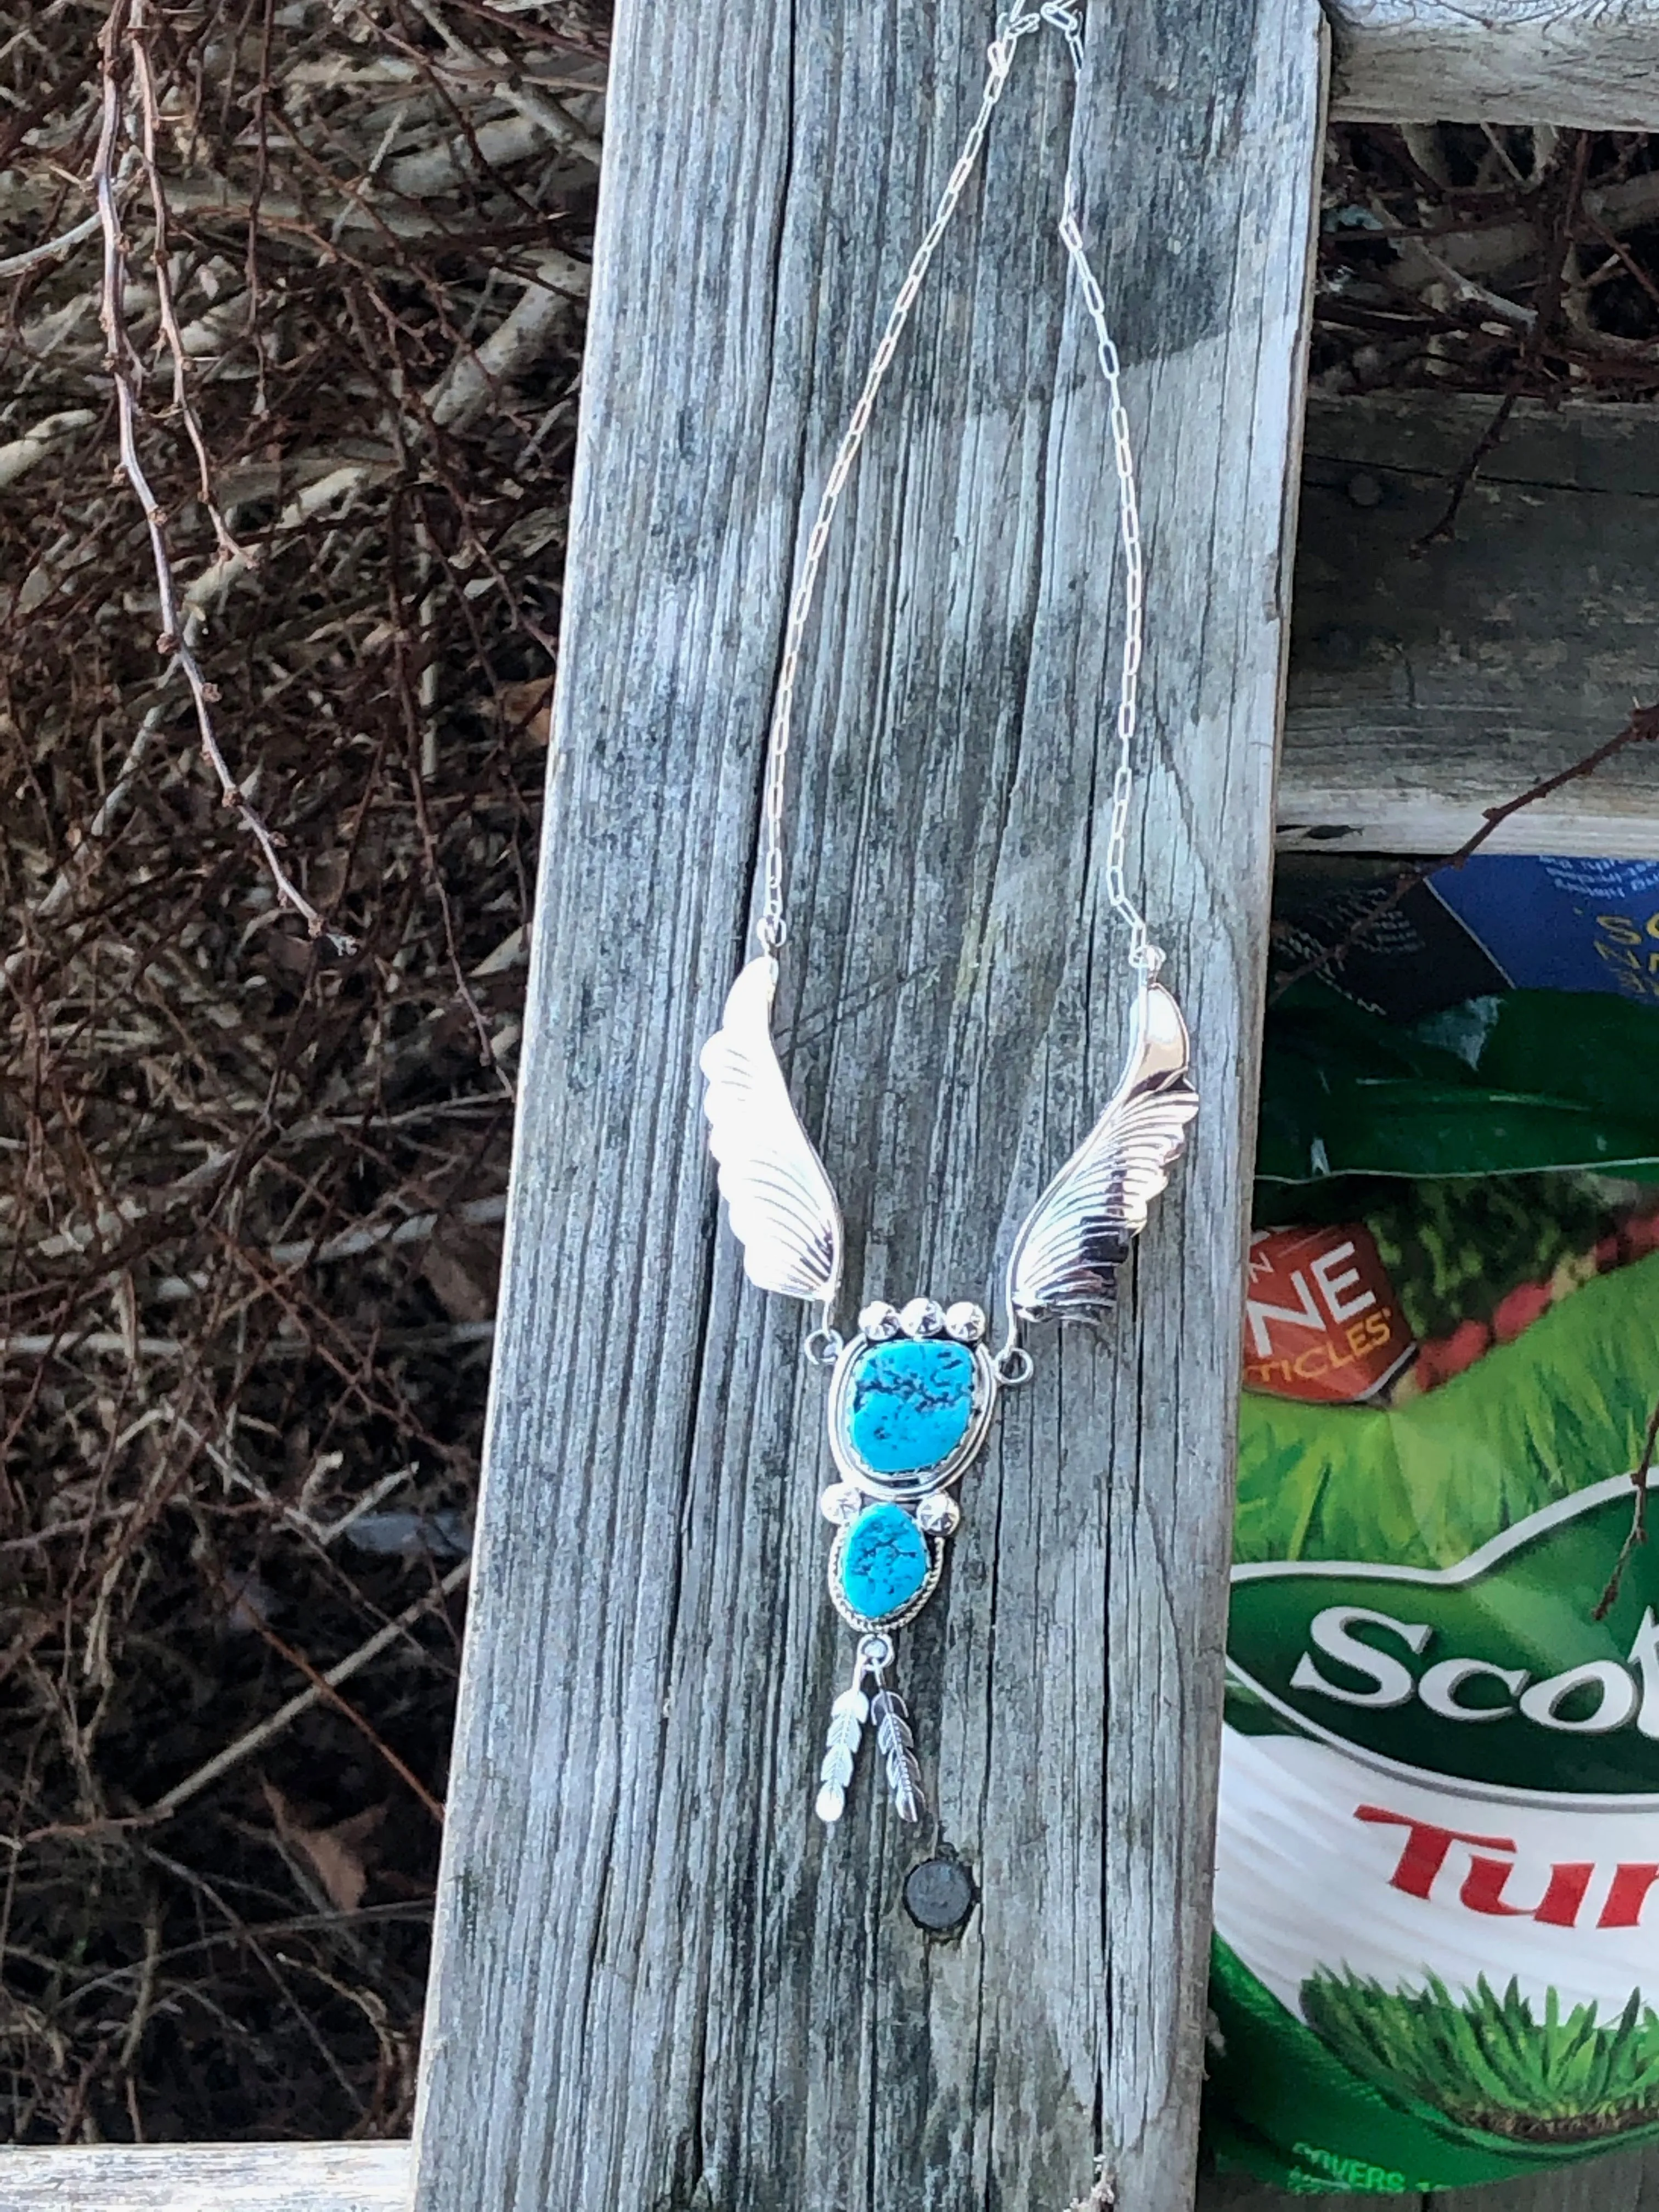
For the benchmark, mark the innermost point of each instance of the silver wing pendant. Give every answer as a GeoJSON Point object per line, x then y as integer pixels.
{"type": "Point", "coordinates": [1065, 1259]}
{"type": "Point", "coordinates": [783, 1211]}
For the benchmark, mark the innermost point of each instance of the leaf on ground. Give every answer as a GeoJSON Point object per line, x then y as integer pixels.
{"type": "Point", "coordinates": [334, 1855]}
{"type": "Point", "coordinates": [461, 1264]}
{"type": "Point", "coordinates": [529, 708]}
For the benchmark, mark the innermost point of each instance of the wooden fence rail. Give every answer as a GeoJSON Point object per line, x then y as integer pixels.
{"type": "Point", "coordinates": [1428, 684]}
{"type": "Point", "coordinates": [208, 2178]}
{"type": "Point", "coordinates": [1589, 64]}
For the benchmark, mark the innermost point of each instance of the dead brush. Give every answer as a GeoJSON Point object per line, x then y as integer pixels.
{"type": "Point", "coordinates": [292, 316]}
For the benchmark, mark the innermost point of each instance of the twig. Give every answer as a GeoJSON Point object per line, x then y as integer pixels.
{"type": "Point", "coordinates": [441, 1336]}
{"type": "Point", "coordinates": [1439, 533]}
{"type": "Point", "coordinates": [124, 372]}
{"type": "Point", "coordinates": [19, 455]}
{"type": "Point", "coordinates": [1540, 318]}
{"type": "Point", "coordinates": [423, 819]}
{"type": "Point", "coordinates": [349, 1243]}
{"type": "Point", "coordinates": [322, 1686]}
{"type": "Point", "coordinates": [149, 114]}
{"type": "Point", "coordinates": [530, 102]}
{"type": "Point", "coordinates": [110, 807]}
{"type": "Point", "coordinates": [36, 256]}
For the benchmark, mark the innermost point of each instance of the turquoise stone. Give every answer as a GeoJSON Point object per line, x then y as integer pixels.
{"type": "Point", "coordinates": [909, 1403]}
{"type": "Point", "coordinates": [884, 1563]}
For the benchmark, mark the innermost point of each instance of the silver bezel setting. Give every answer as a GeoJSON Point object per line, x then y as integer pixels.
{"type": "Point", "coordinates": [905, 1489]}
{"type": "Point", "coordinates": [879, 1625]}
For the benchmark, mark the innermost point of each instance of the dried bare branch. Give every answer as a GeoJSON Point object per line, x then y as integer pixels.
{"type": "Point", "coordinates": [126, 25]}
{"type": "Point", "coordinates": [53, 249]}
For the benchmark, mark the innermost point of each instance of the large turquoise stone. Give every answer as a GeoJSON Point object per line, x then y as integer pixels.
{"type": "Point", "coordinates": [884, 1563]}
{"type": "Point", "coordinates": [909, 1403]}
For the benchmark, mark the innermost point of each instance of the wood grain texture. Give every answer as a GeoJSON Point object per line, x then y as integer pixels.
{"type": "Point", "coordinates": [1424, 688]}
{"type": "Point", "coordinates": [208, 2178]}
{"type": "Point", "coordinates": [1591, 63]}
{"type": "Point", "coordinates": [1614, 2183]}
{"type": "Point", "coordinates": [658, 1986]}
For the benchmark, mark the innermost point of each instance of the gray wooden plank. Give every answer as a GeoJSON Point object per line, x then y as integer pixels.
{"type": "Point", "coordinates": [206, 2177]}
{"type": "Point", "coordinates": [1590, 64]}
{"type": "Point", "coordinates": [657, 1982]}
{"type": "Point", "coordinates": [1423, 687]}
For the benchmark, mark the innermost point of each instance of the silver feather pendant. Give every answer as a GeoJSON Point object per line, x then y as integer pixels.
{"type": "Point", "coordinates": [779, 1200]}
{"type": "Point", "coordinates": [847, 1717]}
{"type": "Point", "coordinates": [897, 1746]}
{"type": "Point", "coordinates": [886, 1710]}
{"type": "Point", "coordinates": [913, 1393]}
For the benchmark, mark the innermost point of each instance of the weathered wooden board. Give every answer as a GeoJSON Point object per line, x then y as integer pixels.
{"type": "Point", "coordinates": [1427, 686]}
{"type": "Point", "coordinates": [1591, 63]}
{"type": "Point", "coordinates": [208, 2178]}
{"type": "Point", "coordinates": [1626, 2184]}
{"type": "Point", "coordinates": [657, 1984]}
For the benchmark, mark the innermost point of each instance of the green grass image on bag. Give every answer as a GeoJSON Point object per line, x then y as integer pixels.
{"type": "Point", "coordinates": [1489, 2062]}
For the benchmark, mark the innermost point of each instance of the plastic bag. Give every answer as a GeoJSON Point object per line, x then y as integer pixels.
{"type": "Point", "coordinates": [1436, 1957]}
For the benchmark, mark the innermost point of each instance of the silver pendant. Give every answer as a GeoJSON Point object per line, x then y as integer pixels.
{"type": "Point", "coordinates": [913, 1393]}
{"type": "Point", "coordinates": [910, 1401]}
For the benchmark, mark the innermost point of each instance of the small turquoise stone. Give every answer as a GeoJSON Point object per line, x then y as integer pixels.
{"type": "Point", "coordinates": [884, 1563]}
{"type": "Point", "coordinates": [908, 1404]}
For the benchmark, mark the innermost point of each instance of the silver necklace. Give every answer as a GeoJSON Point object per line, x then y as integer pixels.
{"type": "Point", "coordinates": [912, 1393]}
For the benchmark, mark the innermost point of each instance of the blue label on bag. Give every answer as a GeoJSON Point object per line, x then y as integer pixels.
{"type": "Point", "coordinates": [1555, 924]}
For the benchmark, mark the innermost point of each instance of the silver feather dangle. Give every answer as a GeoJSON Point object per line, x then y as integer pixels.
{"type": "Point", "coordinates": [897, 1746]}
{"type": "Point", "coordinates": [892, 1719]}
{"type": "Point", "coordinates": [847, 1717]}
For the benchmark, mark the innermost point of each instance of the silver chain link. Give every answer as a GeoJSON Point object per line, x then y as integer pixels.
{"type": "Point", "coordinates": [772, 929]}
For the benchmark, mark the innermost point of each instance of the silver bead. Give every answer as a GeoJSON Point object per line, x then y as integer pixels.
{"type": "Point", "coordinates": [922, 1317]}
{"type": "Point", "coordinates": [938, 1514]}
{"type": "Point", "coordinates": [840, 1504]}
{"type": "Point", "coordinates": [879, 1322]}
{"type": "Point", "coordinates": [964, 1322]}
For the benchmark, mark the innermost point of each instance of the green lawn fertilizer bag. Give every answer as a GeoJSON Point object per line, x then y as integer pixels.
{"type": "Point", "coordinates": [1436, 1902]}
